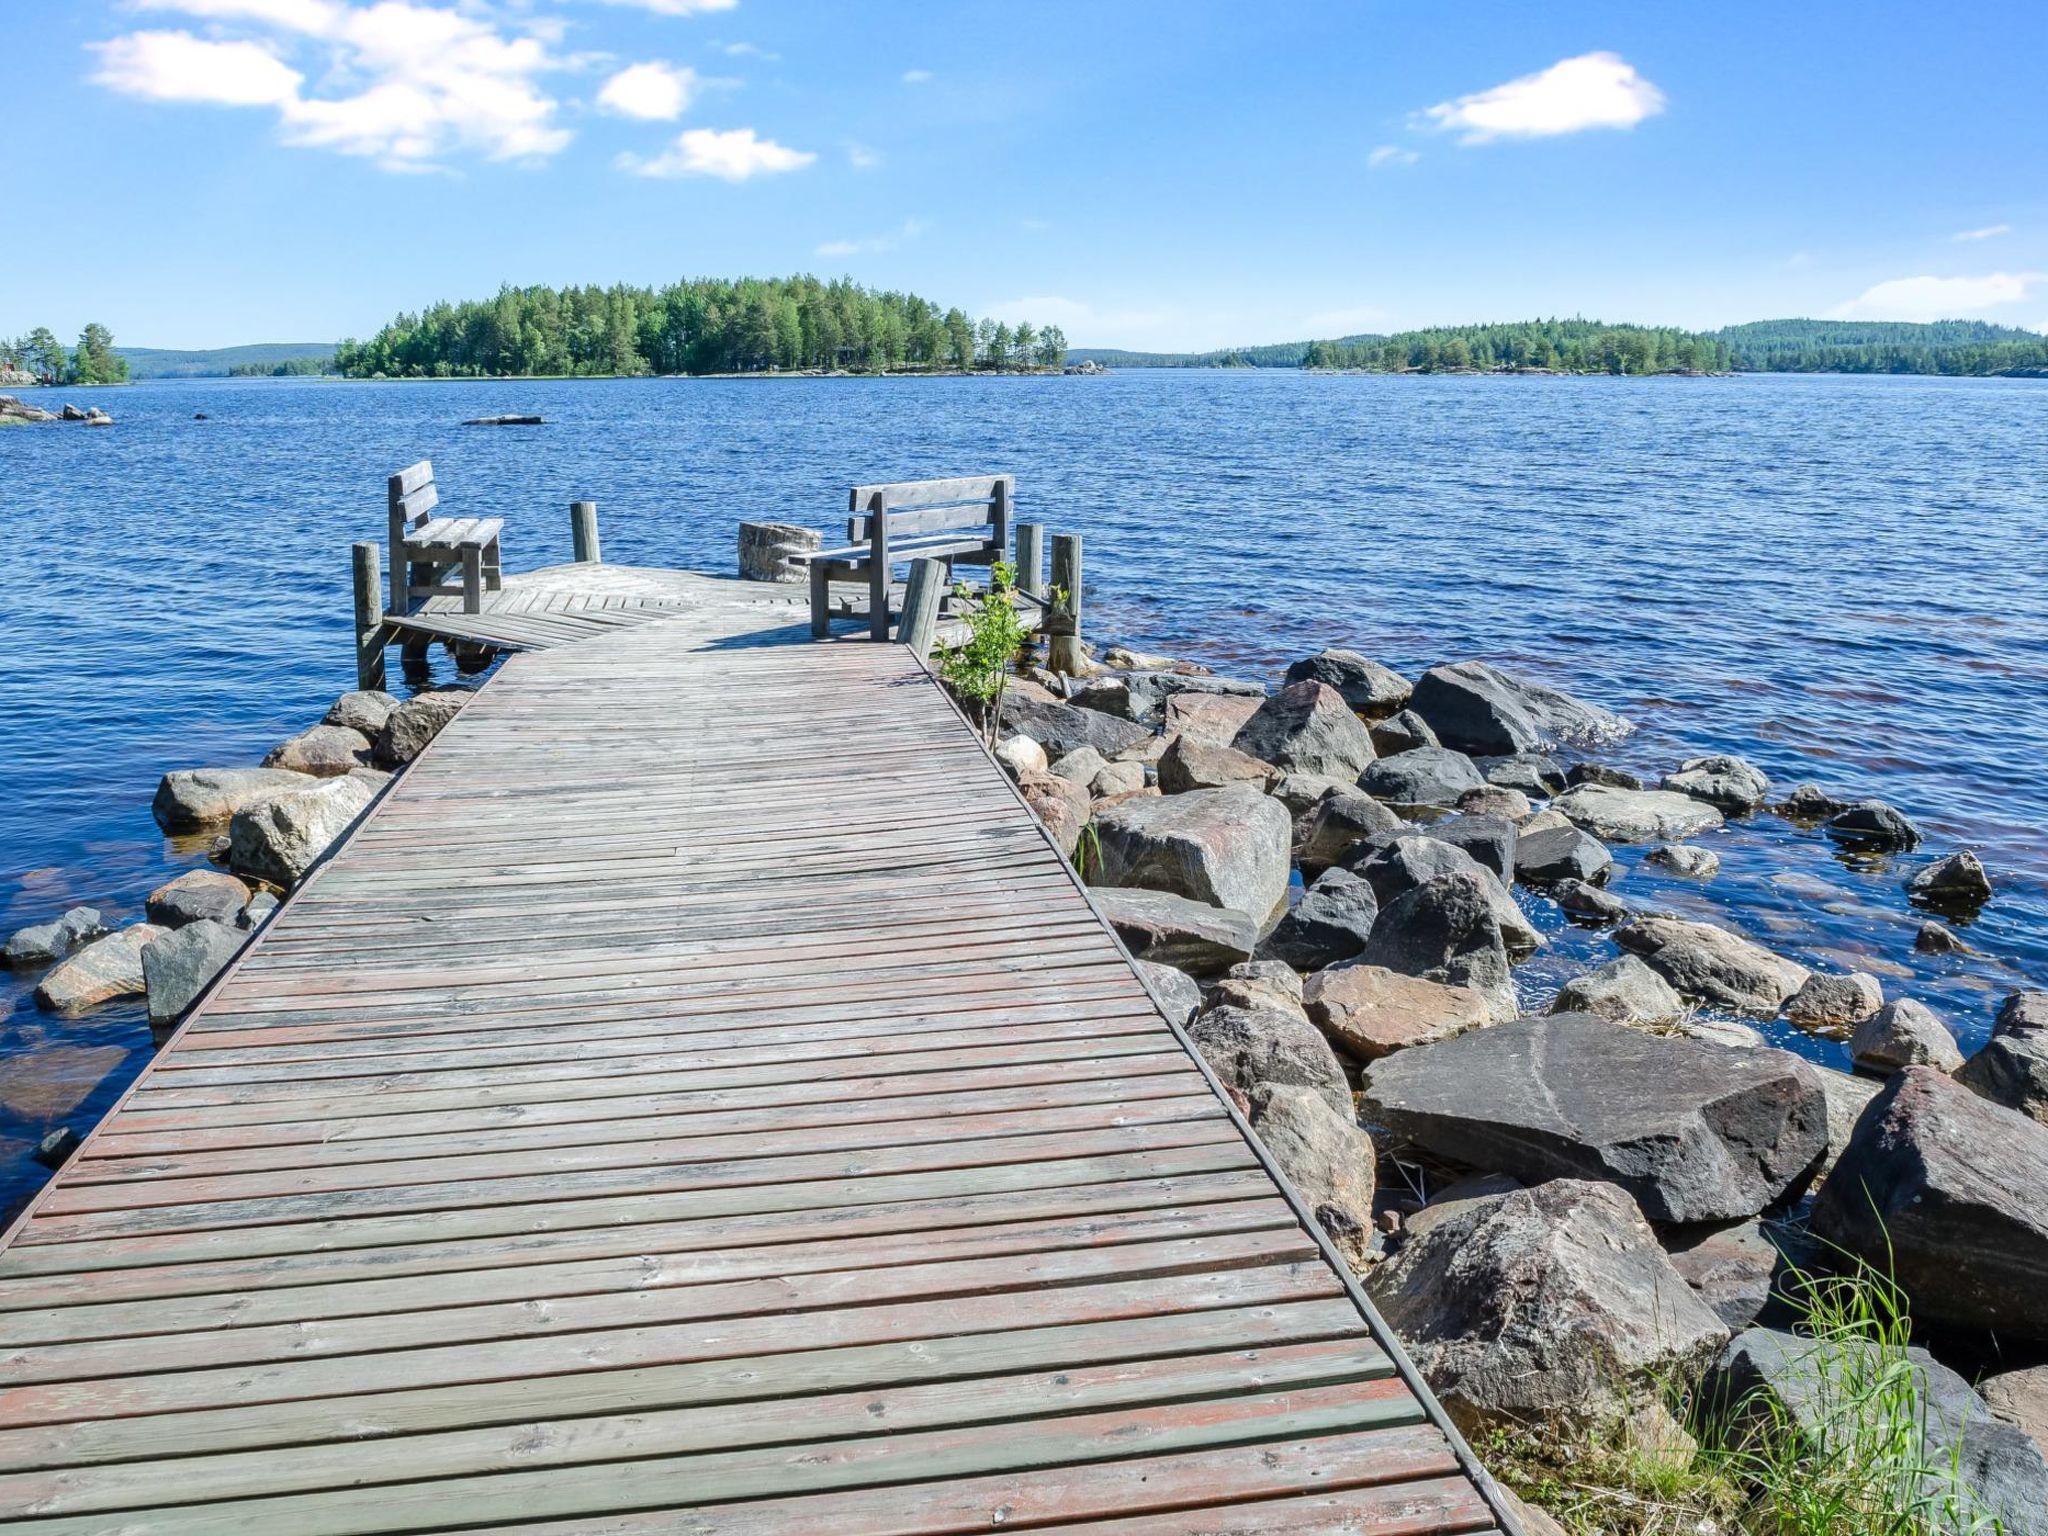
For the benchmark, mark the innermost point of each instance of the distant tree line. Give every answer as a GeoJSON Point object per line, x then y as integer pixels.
{"type": "Point", "coordinates": [1965, 347]}
{"type": "Point", "coordinates": [287, 368]}
{"type": "Point", "coordinates": [704, 325]}
{"type": "Point", "coordinates": [40, 353]}
{"type": "Point", "coordinates": [1568, 346]}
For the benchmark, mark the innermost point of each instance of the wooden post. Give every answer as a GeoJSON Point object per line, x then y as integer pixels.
{"type": "Point", "coordinates": [583, 532]}
{"type": "Point", "coordinates": [921, 605]}
{"type": "Point", "coordinates": [1031, 559]}
{"type": "Point", "coordinates": [999, 510]}
{"type": "Point", "coordinates": [1066, 655]}
{"type": "Point", "coordinates": [878, 568]}
{"type": "Point", "coordinates": [369, 617]}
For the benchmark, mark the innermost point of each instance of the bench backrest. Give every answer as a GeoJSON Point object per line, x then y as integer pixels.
{"type": "Point", "coordinates": [413, 499]}
{"type": "Point", "coordinates": [934, 506]}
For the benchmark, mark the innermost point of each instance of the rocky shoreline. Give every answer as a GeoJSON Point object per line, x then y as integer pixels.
{"type": "Point", "coordinates": [1580, 1211]}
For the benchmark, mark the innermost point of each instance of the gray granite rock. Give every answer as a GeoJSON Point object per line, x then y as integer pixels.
{"type": "Point", "coordinates": [1061, 806]}
{"type": "Point", "coordinates": [1445, 930]}
{"type": "Point", "coordinates": [1478, 708]}
{"type": "Point", "coordinates": [193, 799]}
{"type": "Point", "coordinates": [1228, 847]}
{"type": "Point", "coordinates": [1253, 1048]}
{"type": "Point", "coordinates": [1635, 815]}
{"type": "Point", "coordinates": [1684, 859]}
{"type": "Point", "coordinates": [1326, 1157]}
{"type": "Point", "coordinates": [419, 720]}
{"type": "Point", "coordinates": [1957, 883]}
{"type": "Point", "coordinates": [1904, 1033]}
{"type": "Point", "coordinates": [1368, 1011]}
{"type": "Point", "coordinates": [278, 840]}
{"type": "Point", "coordinates": [198, 895]}
{"type": "Point", "coordinates": [1729, 784]}
{"type": "Point", "coordinates": [1308, 728]}
{"type": "Point", "coordinates": [1186, 765]}
{"type": "Point", "coordinates": [179, 966]}
{"type": "Point", "coordinates": [46, 943]}
{"type": "Point", "coordinates": [1625, 991]}
{"type": "Point", "coordinates": [1334, 827]}
{"type": "Point", "coordinates": [325, 751]}
{"type": "Point", "coordinates": [1179, 994]}
{"type": "Point", "coordinates": [1402, 863]}
{"type": "Point", "coordinates": [1369, 688]}
{"type": "Point", "coordinates": [1330, 923]}
{"type": "Point", "coordinates": [1873, 825]}
{"type": "Point", "coordinates": [1192, 936]}
{"type": "Point", "coordinates": [1433, 776]}
{"type": "Point", "coordinates": [1835, 1004]}
{"type": "Point", "coordinates": [364, 709]}
{"type": "Point", "coordinates": [1402, 731]}
{"type": "Point", "coordinates": [1533, 773]}
{"type": "Point", "coordinates": [1554, 855]}
{"type": "Point", "coordinates": [2011, 1068]}
{"type": "Point", "coordinates": [1711, 965]}
{"type": "Point", "coordinates": [1588, 903]}
{"type": "Point", "coordinates": [106, 969]}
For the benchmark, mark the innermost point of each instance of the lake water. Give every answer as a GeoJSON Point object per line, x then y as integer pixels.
{"type": "Point", "coordinates": [1843, 579]}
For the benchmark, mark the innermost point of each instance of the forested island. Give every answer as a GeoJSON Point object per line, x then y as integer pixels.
{"type": "Point", "coordinates": [703, 325]}
{"type": "Point", "coordinates": [39, 357]}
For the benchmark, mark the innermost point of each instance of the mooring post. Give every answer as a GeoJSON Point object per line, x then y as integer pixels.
{"type": "Point", "coordinates": [369, 617]}
{"type": "Point", "coordinates": [1066, 655]}
{"type": "Point", "coordinates": [921, 605]}
{"type": "Point", "coordinates": [583, 531]}
{"type": "Point", "coordinates": [1031, 559]}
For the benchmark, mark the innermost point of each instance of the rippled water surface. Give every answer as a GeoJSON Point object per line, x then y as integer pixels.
{"type": "Point", "coordinates": [1844, 579]}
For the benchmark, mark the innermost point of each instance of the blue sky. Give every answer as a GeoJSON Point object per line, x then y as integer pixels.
{"type": "Point", "coordinates": [1193, 174]}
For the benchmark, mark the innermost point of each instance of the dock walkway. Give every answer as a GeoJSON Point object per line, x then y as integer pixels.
{"type": "Point", "coordinates": [696, 1099]}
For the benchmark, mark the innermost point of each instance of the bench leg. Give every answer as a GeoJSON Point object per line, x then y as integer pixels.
{"type": "Point", "coordinates": [494, 567]}
{"type": "Point", "coordinates": [878, 599]}
{"type": "Point", "coordinates": [472, 578]}
{"type": "Point", "coordinates": [821, 601]}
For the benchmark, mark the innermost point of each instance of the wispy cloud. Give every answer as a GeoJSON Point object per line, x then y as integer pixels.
{"type": "Point", "coordinates": [917, 77]}
{"type": "Point", "coordinates": [1391, 154]}
{"type": "Point", "coordinates": [1988, 232]}
{"type": "Point", "coordinates": [732, 154]}
{"type": "Point", "coordinates": [909, 230]}
{"type": "Point", "coordinates": [677, 7]}
{"type": "Point", "coordinates": [652, 93]}
{"type": "Point", "coordinates": [1593, 90]}
{"type": "Point", "coordinates": [406, 84]}
{"type": "Point", "coordinates": [863, 157]}
{"type": "Point", "coordinates": [1939, 298]}
{"type": "Point", "coordinates": [748, 51]}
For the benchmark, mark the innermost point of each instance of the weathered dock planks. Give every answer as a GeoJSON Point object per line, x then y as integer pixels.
{"type": "Point", "coordinates": [697, 1099]}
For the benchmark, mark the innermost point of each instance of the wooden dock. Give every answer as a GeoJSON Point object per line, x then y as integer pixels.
{"type": "Point", "coordinates": [696, 1099]}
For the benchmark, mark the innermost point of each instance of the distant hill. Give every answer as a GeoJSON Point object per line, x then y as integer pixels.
{"type": "Point", "coordinates": [219, 362]}
{"type": "Point", "coordinates": [1277, 354]}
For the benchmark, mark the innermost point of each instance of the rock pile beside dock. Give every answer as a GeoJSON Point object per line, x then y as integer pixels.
{"type": "Point", "coordinates": [1329, 879]}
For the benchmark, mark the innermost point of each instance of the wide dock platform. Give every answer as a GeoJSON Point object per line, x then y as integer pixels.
{"type": "Point", "coordinates": [696, 1099]}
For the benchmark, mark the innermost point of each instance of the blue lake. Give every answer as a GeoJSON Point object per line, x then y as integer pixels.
{"type": "Point", "coordinates": [1843, 579]}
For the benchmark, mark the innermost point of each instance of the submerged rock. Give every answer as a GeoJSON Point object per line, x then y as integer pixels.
{"type": "Point", "coordinates": [1904, 1033]}
{"type": "Point", "coordinates": [1683, 859]}
{"type": "Point", "coordinates": [1957, 883]}
{"type": "Point", "coordinates": [1635, 815]}
{"type": "Point", "coordinates": [45, 943]}
{"type": "Point", "coordinates": [1727, 783]}
{"type": "Point", "coordinates": [198, 895]}
{"type": "Point", "coordinates": [179, 966]}
{"type": "Point", "coordinates": [1369, 688]}
{"type": "Point", "coordinates": [105, 969]}
{"type": "Point", "coordinates": [1425, 776]}
{"type": "Point", "coordinates": [1694, 1132]}
{"type": "Point", "coordinates": [1873, 825]}
{"type": "Point", "coordinates": [1937, 939]}
{"type": "Point", "coordinates": [279, 839]}
{"type": "Point", "coordinates": [1712, 965]}
{"type": "Point", "coordinates": [1480, 709]}
{"type": "Point", "coordinates": [1191, 936]}
{"type": "Point", "coordinates": [1370, 1011]}
{"type": "Point", "coordinates": [1327, 1159]}
{"type": "Point", "coordinates": [1308, 728]}
{"type": "Point", "coordinates": [1229, 847]}
{"type": "Point", "coordinates": [193, 799]}
{"type": "Point", "coordinates": [1545, 1306]}
{"type": "Point", "coordinates": [49, 1083]}
{"type": "Point", "coordinates": [2011, 1068]}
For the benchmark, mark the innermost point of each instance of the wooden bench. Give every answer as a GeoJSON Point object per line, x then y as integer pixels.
{"type": "Point", "coordinates": [964, 522]}
{"type": "Point", "coordinates": [425, 547]}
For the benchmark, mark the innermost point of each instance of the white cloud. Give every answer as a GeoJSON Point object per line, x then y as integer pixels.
{"type": "Point", "coordinates": [732, 154]}
{"type": "Point", "coordinates": [1938, 298]}
{"type": "Point", "coordinates": [1593, 90]}
{"type": "Point", "coordinates": [1988, 232]}
{"type": "Point", "coordinates": [653, 93]}
{"type": "Point", "coordinates": [917, 77]}
{"type": "Point", "coordinates": [862, 157]}
{"type": "Point", "coordinates": [678, 7]}
{"type": "Point", "coordinates": [749, 51]}
{"type": "Point", "coordinates": [909, 230]}
{"type": "Point", "coordinates": [409, 84]}
{"type": "Point", "coordinates": [176, 66]}
{"type": "Point", "coordinates": [1391, 154]}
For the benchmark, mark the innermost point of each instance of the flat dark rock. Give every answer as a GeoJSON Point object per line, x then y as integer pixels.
{"type": "Point", "coordinates": [504, 421]}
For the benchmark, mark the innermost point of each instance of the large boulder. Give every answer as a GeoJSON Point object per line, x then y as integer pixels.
{"type": "Point", "coordinates": [325, 751]}
{"type": "Point", "coordinates": [1061, 805]}
{"type": "Point", "coordinates": [1326, 1157]}
{"type": "Point", "coordinates": [363, 709]}
{"type": "Point", "coordinates": [1950, 1192]}
{"type": "Point", "coordinates": [1625, 991]}
{"type": "Point", "coordinates": [1823, 1389]}
{"type": "Point", "coordinates": [1370, 1011]}
{"type": "Point", "coordinates": [1308, 728]}
{"type": "Point", "coordinates": [198, 895]}
{"type": "Point", "coordinates": [105, 969]}
{"type": "Point", "coordinates": [279, 839]}
{"type": "Point", "coordinates": [1335, 825]}
{"type": "Point", "coordinates": [1142, 697]}
{"type": "Point", "coordinates": [1253, 1048]}
{"type": "Point", "coordinates": [179, 966]}
{"type": "Point", "coordinates": [1433, 776]}
{"type": "Point", "coordinates": [45, 943]}
{"type": "Point", "coordinates": [1480, 709]}
{"type": "Point", "coordinates": [1228, 847]}
{"type": "Point", "coordinates": [193, 799]}
{"type": "Point", "coordinates": [1369, 688]}
{"type": "Point", "coordinates": [1061, 728]}
{"type": "Point", "coordinates": [2020, 1398]}
{"type": "Point", "coordinates": [1635, 815]}
{"type": "Point", "coordinates": [2012, 1066]}
{"type": "Point", "coordinates": [1694, 1132]}
{"type": "Point", "coordinates": [1191, 936]}
{"type": "Point", "coordinates": [1727, 783]}
{"type": "Point", "coordinates": [1215, 718]}
{"type": "Point", "coordinates": [1554, 855]}
{"type": "Point", "coordinates": [1186, 765]}
{"type": "Point", "coordinates": [1401, 864]}
{"type": "Point", "coordinates": [1551, 1306]}
{"type": "Point", "coordinates": [1329, 924]}
{"type": "Point", "coordinates": [1445, 930]}
{"type": "Point", "coordinates": [418, 721]}
{"type": "Point", "coordinates": [1904, 1033]}
{"type": "Point", "coordinates": [1711, 965]}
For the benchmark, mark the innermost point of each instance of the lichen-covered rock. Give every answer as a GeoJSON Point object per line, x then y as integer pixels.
{"type": "Point", "coordinates": [1228, 847]}
{"type": "Point", "coordinates": [1635, 815]}
{"type": "Point", "coordinates": [1727, 783]}
{"type": "Point", "coordinates": [1191, 936]}
{"type": "Point", "coordinates": [1329, 924]}
{"type": "Point", "coordinates": [105, 969]}
{"type": "Point", "coordinates": [2011, 1068]}
{"type": "Point", "coordinates": [1326, 1157]}
{"type": "Point", "coordinates": [193, 799]}
{"type": "Point", "coordinates": [1625, 991]}
{"type": "Point", "coordinates": [179, 966]}
{"type": "Point", "coordinates": [363, 709]}
{"type": "Point", "coordinates": [1369, 688]}
{"type": "Point", "coordinates": [1694, 1132]}
{"type": "Point", "coordinates": [1480, 709]}
{"type": "Point", "coordinates": [1253, 1048]}
{"type": "Point", "coordinates": [1948, 1192]}
{"type": "Point", "coordinates": [1712, 965]}
{"type": "Point", "coordinates": [1904, 1033]}
{"type": "Point", "coordinates": [1433, 776]}
{"type": "Point", "coordinates": [1308, 728]}
{"type": "Point", "coordinates": [1370, 1012]}
{"type": "Point", "coordinates": [1551, 1306]}
{"type": "Point", "coordinates": [46, 943]}
{"type": "Point", "coordinates": [1835, 1004]}
{"type": "Point", "coordinates": [278, 840]}
{"type": "Point", "coordinates": [198, 895]}
{"type": "Point", "coordinates": [416, 722]}
{"type": "Point", "coordinates": [1061, 805]}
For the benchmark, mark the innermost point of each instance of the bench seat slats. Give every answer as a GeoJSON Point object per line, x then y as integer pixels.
{"type": "Point", "coordinates": [899, 549]}
{"type": "Point", "coordinates": [451, 532]}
